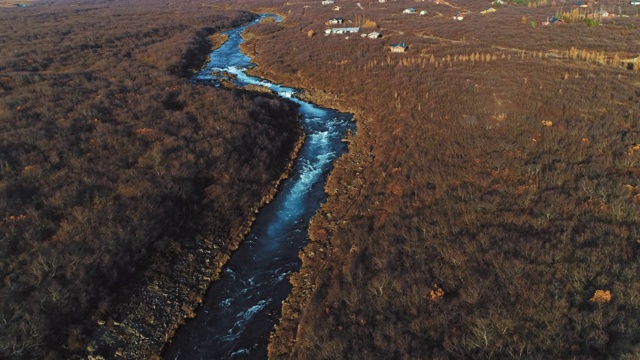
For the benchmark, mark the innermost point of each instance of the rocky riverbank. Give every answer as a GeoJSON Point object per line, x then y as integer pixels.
{"type": "Point", "coordinates": [343, 188]}
{"type": "Point", "coordinates": [172, 291]}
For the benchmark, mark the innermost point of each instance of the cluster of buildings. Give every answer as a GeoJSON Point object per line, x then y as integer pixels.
{"type": "Point", "coordinates": [335, 26]}
{"type": "Point", "coordinates": [347, 30]}
{"type": "Point", "coordinates": [400, 47]}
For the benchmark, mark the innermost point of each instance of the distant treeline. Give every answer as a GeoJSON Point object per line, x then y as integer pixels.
{"type": "Point", "coordinates": [109, 160]}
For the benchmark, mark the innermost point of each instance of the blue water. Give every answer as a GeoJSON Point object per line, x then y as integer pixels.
{"type": "Point", "coordinates": [241, 308]}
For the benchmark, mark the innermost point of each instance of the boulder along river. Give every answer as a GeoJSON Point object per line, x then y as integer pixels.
{"type": "Point", "coordinates": [241, 309]}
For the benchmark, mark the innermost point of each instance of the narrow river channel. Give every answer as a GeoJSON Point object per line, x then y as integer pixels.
{"type": "Point", "coordinates": [241, 309]}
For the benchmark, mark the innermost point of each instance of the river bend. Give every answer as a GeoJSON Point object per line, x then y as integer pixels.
{"type": "Point", "coordinates": [240, 310]}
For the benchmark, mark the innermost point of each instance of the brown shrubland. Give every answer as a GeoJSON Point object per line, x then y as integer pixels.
{"type": "Point", "coordinates": [490, 160]}
{"type": "Point", "coordinates": [113, 168]}
{"type": "Point", "coordinates": [489, 194]}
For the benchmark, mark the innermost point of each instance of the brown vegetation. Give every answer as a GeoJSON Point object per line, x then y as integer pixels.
{"type": "Point", "coordinates": [488, 199]}
{"type": "Point", "coordinates": [504, 171]}
{"type": "Point", "coordinates": [123, 187]}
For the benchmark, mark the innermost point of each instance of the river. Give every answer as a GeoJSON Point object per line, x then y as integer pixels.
{"type": "Point", "coordinates": [241, 309]}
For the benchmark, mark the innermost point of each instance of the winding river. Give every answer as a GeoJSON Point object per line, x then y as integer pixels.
{"type": "Point", "coordinates": [241, 308]}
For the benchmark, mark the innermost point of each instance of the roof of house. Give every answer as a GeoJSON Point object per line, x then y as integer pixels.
{"type": "Point", "coordinates": [342, 30]}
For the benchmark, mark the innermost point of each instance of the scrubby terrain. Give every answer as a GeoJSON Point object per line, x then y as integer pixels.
{"type": "Point", "coordinates": [488, 206]}
{"type": "Point", "coordinates": [123, 186]}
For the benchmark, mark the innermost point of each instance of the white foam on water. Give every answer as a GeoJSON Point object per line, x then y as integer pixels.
{"type": "Point", "coordinates": [309, 173]}
{"type": "Point", "coordinates": [243, 351]}
{"type": "Point", "coordinates": [230, 272]}
{"type": "Point", "coordinates": [312, 112]}
{"type": "Point", "coordinates": [248, 314]}
{"type": "Point", "coordinates": [231, 69]}
{"type": "Point", "coordinates": [320, 139]}
{"type": "Point", "coordinates": [324, 157]}
{"type": "Point", "coordinates": [279, 276]}
{"type": "Point", "coordinates": [239, 73]}
{"type": "Point", "coordinates": [244, 317]}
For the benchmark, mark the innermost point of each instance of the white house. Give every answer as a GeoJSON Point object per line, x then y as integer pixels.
{"type": "Point", "coordinates": [342, 30]}
{"type": "Point", "coordinates": [409, 11]}
{"type": "Point", "coordinates": [328, 2]}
